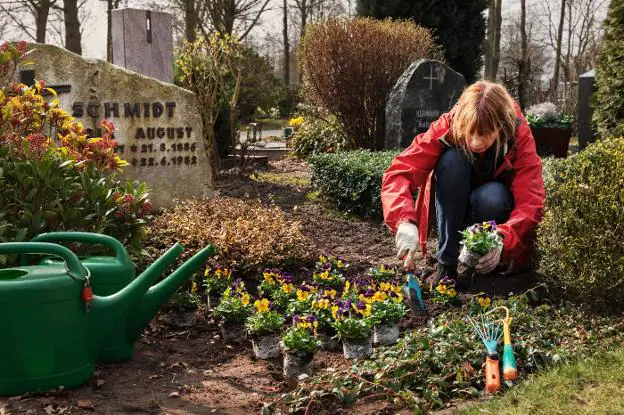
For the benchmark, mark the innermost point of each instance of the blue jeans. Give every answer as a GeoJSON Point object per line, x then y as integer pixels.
{"type": "Point", "coordinates": [460, 204]}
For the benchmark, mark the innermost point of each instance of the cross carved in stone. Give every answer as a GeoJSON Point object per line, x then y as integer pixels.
{"type": "Point", "coordinates": [430, 78]}
{"type": "Point", "coordinates": [27, 77]}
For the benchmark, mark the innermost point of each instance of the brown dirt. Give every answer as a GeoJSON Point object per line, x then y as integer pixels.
{"type": "Point", "coordinates": [191, 371]}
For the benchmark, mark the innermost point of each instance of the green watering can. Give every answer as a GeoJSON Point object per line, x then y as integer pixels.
{"type": "Point", "coordinates": [54, 330]}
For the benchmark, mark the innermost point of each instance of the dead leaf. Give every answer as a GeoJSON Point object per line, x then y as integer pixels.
{"type": "Point", "coordinates": [99, 383]}
{"type": "Point", "coordinates": [62, 410]}
{"type": "Point", "coordinates": [154, 377]}
{"type": "Point", "coordinates": [174, 395]}
{"type": "Point", "coordinates": [84, 404]}
{"type": "Point", "coordinates": [49, 410]}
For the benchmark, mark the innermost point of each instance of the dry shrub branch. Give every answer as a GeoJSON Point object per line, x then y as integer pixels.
{"type": "Point", "coordinates": [350, 66]}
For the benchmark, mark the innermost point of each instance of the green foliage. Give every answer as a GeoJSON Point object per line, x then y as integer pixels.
{"type": "Point", "coordinates": [459, 26]}
{"type": "Point", "coordinates": [264, 323]}
{"type": "Point", "coordinates": [184, 299]}
{"type": "Point", "coordinates": [609, 98]}
{"type": "Point", "coordinates": [580, 236]}
{"type": "Point", "coordinates": [383, 273]}
{"type": "Point", "coordinates": [317, 136]}
{"type": "Point", "coordinates": [443, 361]}
{"type": "Point", "coordinates": [217, 279]}
{"type": "Point", "coordinates": [301, 337]}
{"type": "Point", "coordinates": [349, 66]}
{"type": "Point", "coordinates": [481, 238]}
{"type": "Point", "coordinates": [388, 311]}
{"type": "Point", "coordinates": [353, 328]}
{"type": "Point", "coordinates": [351, 181]}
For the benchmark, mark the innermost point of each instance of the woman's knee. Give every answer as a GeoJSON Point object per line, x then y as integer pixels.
{"type": "Point", "coordinates": [454, 162]}
{"type": "Point", "coordinates": [491, 201]}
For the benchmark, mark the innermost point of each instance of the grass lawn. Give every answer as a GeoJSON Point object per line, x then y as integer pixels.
{"type": "Point", "coordinates": [589, 386]}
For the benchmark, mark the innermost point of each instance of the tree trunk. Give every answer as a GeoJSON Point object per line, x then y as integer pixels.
{"type": "Point", "coordinates": [41, 20]}
{"type": "Point", "coordinates": [286, 47]}
{"type": "Point", "coordinates": [211, 150]}
{"type": "Point", "coordinates": [497, 42]}
{"type": "Point", "coordinates": [523, 73]}
{"type": "Point", "coordinates": [73, 36]}
{"type": "Point", "coordinates": [304, 18]}
{"type": "Point", "coordinates": [190, 18]}
{"type": "Point", "coordinates": [558, 53]}
{"type": "Point", "coordinates": [489, 42]}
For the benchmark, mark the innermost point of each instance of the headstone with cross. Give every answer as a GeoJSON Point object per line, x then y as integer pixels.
{"type": "Point", "coordinates": [426, 90]}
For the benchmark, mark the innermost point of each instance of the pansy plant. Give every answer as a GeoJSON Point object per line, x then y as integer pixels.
{"type": "Point", "coordinates": [217, 279]}
{"type": "Point", "coordinates": [234, 306]}
{"type": "Point", "coordinates": [264, 320]}
{"type": "Point", "coordinates": [352, 320]}
{"type": "Point", "coordinates": [480, 238]}
{"type": "Point", "coordinates": [444, 292]}
{"type": "Point", "coordinates": [301, 337]}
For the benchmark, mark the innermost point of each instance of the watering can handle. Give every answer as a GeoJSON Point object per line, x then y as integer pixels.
{"type": "Point", "coordinates": [73, 264]}
{"type": "Point", "coordinates": [86, 237]}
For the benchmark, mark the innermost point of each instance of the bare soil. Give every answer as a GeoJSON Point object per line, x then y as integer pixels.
{"type": "Point", "coordinates": [177, 370]}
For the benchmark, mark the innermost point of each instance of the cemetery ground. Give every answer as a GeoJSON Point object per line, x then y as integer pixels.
{"type": "Point", "coordinates": [181, 366]}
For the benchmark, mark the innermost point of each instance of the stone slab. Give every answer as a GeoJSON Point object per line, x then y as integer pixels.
{"type": "Point", "coordinates": [586, 89]}
{"type": "Point", "coordinates": [426, 90]}
{"type": "Point", "coordinates": [159, 127]}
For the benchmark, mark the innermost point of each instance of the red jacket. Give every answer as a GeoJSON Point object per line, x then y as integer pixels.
{"type": "Point", "coordinates": [412, 171]}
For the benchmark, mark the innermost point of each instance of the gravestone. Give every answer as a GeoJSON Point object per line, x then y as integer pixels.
{"type": "Point", "coordinates": [586, 130]}
{"type": "Point", "coordinates": [143, 42]}
{"type": "Point", "coordinates": [426, 90]}
{"type": "Point", "coordinates": [158, 125]}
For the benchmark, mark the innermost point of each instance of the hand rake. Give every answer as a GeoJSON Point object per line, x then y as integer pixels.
{"type": "Point", "coordinates": [510, 371]}
{"type": "Point", "coordinates": [490, 333]}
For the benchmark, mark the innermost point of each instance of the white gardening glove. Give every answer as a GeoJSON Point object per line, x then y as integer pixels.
{"type": "Point", "coordinates": [489, 261]}
{"type": "Point", "coordinates": [407, 243]}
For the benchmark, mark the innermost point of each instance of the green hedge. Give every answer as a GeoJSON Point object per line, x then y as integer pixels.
{"type": "Point", "coordinates": [352, 180]}
{"type": "Point", "coordinates": [581, 237]}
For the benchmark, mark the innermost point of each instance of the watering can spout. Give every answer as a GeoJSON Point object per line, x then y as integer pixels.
{"type": "Point", "coordinates": [147, 308]}
{"type": "Point", "coordinates": [107, 312]}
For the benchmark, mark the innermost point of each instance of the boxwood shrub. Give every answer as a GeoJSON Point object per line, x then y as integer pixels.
{"type": "Point", "coordinates": [581, 237]}
{"type": "Point", "coordinates": [351, 180]}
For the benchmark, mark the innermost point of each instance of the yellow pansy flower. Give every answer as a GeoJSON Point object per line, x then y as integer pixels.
{"type": "Point", "coordinates": [262, 306]}
{"type": "Point", "coordinates": [451, 292]}
{"type": "Point", "coordinates": [245, 299]}
{"type": "Point", "coordinates": [334, 310]}
{"type": "Point", "coordinates": [441, 289]}
{"type": "Point", "coordinates": [322, 304]}
{"type": "Point", "coordinates": [484, 302]}
{"type": "Point", "coordinates": [194, 287]}
{"type": "Point", "coordinates": [347, 286]}
{"type": "Point", "coordinates": [379, 296]}
{"type": "Point", "coordinates": [303, 295]}
{"type": "Point", "coordinates": [288, 288]}
{"type": "Point", "coordinates": [339, 264]}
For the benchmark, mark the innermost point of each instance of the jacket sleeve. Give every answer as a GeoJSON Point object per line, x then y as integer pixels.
{"type": "Point", "coordinates": [527, 188]}
{"type": "Point", "coordinates": [409, 171]}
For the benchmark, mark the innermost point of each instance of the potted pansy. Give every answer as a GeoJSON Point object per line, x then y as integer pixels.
{"type": "Point", "coordinates": [329, 271]}
{"type": "Point", "coordinates": [270, 282]}
{"type": "Point", "coordinates": [444, 292]}
{"type": "Point", "coordinates": [284, 292]}
{"type": "Point", "coordinates": [216, 280]}
{"type": "Point", "coordinates": [388, 309]}
{"type": "Point", "coordinates": [550, 128]}
{"type": "Point", "coordinates": [321, 309]}
{"type": "Point", "coordinates": [353, 325]}
{"type": "Point", "coordinates": [299, 343]}
{"type": "Point", "coordinates": [233, 311]}
{"type": "Point", "coordinates": [477, 240]}
{"type": "Point", "coordinates": [263, 327]}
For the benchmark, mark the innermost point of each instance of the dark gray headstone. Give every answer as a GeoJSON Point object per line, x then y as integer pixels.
{"type": "Point", "coordinates": [143, 42]}
{"type": "Point", "coordinates": [426, 90]}
{"type": "Point", "coordinates": [586, 130]}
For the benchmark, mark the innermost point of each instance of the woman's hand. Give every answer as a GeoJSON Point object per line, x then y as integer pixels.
{"type": "Point", "coordinates": [407, 243]}
{"type": "Point", "coordinates": [489, 261]}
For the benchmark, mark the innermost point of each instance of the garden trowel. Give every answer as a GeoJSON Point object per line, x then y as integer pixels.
{"type": "Point", "coordinates": [414, 294]}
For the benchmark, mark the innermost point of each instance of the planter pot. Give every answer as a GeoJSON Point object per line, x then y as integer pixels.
{"type": "Point", "coordinates": [233, 333]}
{"type": "Point", "coordinates": [328, 342]}
{"type": "Point", "coordinates": [354, 349]}
{"type": "Point", "coordinates": [469, 258]}
{"type": "Point", "coordinates": [296, 365]}
{"type": "Point", "coordinates": [266, 347]}
{"type": "Point", "coordinates": [213, 299]}
{"type": "Point", "coordinates": [552, 141]}
{"type": "Point", "coordinates": [386, 334]}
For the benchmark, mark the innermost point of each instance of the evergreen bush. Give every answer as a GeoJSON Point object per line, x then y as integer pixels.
{"type": "Point", "coordinates": [609, 98]}
{"type": "Point", "coordinates": [581, 236]}
{"type": "Point", "coordinates": [316, 136]}
{"type": "Point", "coordinates": [351, 180]}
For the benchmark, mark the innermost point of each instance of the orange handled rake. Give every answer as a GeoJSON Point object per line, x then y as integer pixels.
{"type": "Point", "coordinates": [490, 333]}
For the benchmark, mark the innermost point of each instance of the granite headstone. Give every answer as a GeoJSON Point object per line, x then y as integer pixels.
{"type": "Point", "coordinates": [586, 130]}
{"type": "Point", "coordinates": [143, 42]}
{"type": "Point", "coordinates": [426, 90]}
{"type": "Point", "coordinates": [158, 125]}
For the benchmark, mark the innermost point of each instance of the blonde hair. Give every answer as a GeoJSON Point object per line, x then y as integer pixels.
{"type": "Point", "coordinates": [483, 108]}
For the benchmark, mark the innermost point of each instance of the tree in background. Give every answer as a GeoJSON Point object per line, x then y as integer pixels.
{"type": "Point", "coordinates": [493, 41]}
{"type": "Point", "coordinates": [459, 26]}
{"type": "Point", "coordinates": [609, 99]}
{"type": "Point", "coordinates": [350, 66]}
{"type": "Point", "coordinates": [12, 12]}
